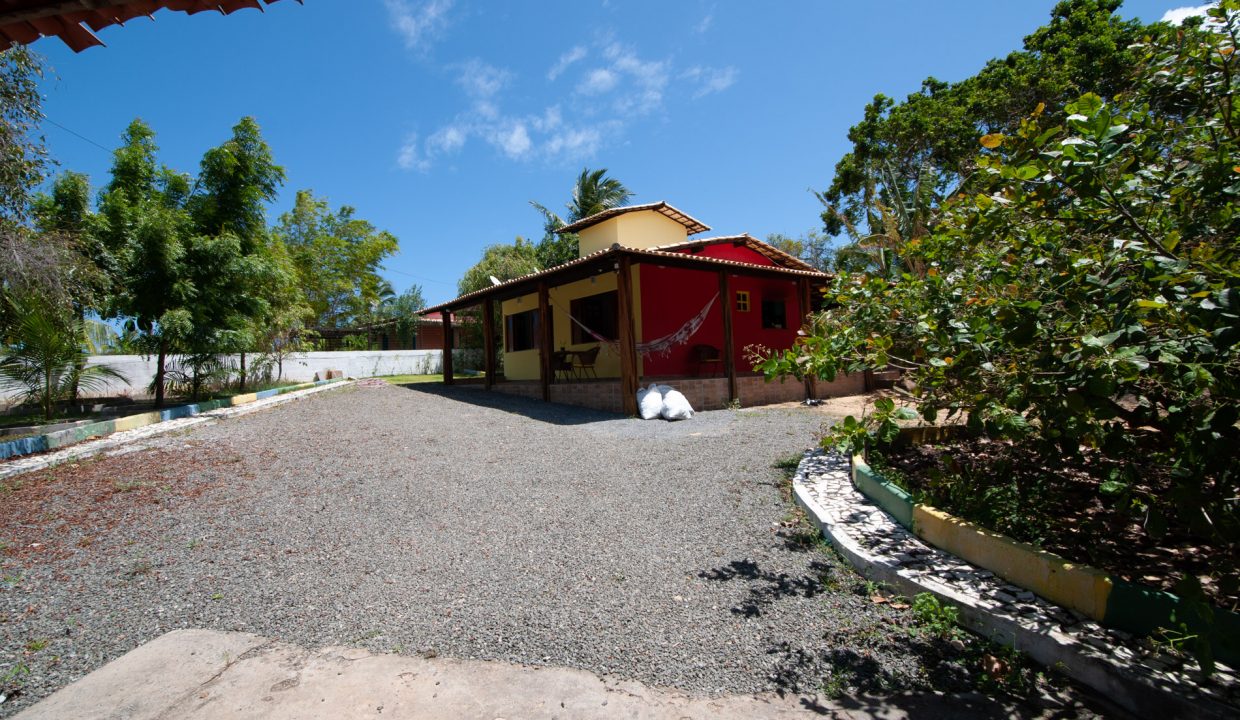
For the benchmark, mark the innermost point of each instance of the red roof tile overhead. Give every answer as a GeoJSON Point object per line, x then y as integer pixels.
{"type": "Point", "coordinates": [24, 21]}
{"type": "Point", "coordinates": [692, 225]}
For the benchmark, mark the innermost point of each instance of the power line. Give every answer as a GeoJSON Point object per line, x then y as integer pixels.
{"type": "Point", "coordinates": [77, 134]}
{"type": "Point", "coordinates": [417, 277]}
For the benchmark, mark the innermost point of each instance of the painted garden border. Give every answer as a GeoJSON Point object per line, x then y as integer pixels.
{"type": "Point", "coordinates": [1113, 602]}
{"type": "Point", "coordinates": [80, 433]}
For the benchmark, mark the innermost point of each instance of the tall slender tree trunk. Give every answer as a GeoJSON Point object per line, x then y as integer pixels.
{"type": "Point", "coordinates": [159, 375]}
{"type": "Point", "coordinates": [241, 387]}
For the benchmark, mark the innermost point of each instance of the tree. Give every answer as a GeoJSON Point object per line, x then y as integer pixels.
{"type": "Point", "coordinates": [236, 181]}
{"type": "Point", "coordinates": [44, 358]}
{"type": "Point", "coordinates": [1084, 301]}
{"type": "Point", "coordinates": [144, 224]}
{"type": "Point", "coordinates": [338, 257]}
{"type": "Point", "coordinates": [593, 193]}
{"type": "Point", "coordinates": [404, 310]}
{"type": "Point", "coordinates": [503, 262]}
{"type": "Point", "coordinates": [813, 248]}
{"type": "Point", "coordinates": [41, 264]}
{"type": "Point", "coordinates": [23, 158]}
{"type": "Point", "coordinates": [906, 158]}
{"type": "Point", "coordinates": [242, 284]}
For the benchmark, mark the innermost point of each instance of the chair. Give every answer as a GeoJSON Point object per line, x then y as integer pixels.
{"type": "Point", "coordinates": [562, 364]}
{"type": "Point", "coordinates": [707, 355]}
{"type": "Point", "coordinates": [585, 361]}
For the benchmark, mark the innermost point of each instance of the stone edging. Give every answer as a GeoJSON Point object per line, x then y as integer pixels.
{"type": "Point", "coordinates": [1112, 601]}
{"type": "Point", "coordinates": [215, 410]}
{"type": "Point", "coordinates": [79, 433]}
{"type": "Point", "coordinates": [1124, 670]}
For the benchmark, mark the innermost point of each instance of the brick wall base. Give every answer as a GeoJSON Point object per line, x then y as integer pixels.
{"type": "Point", "coordinates": [709, 393]}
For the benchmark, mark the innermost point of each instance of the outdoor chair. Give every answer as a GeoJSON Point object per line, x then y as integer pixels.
{"type": "Point", "coordinates": [707, 356]}
{"type": "Point", "coordinates": [585, 361]}
{"type": "Point", "coordinates": [562, 364]}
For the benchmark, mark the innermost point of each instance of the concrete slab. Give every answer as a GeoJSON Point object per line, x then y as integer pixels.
{"type": "Point", "coordinates": [208, 675]}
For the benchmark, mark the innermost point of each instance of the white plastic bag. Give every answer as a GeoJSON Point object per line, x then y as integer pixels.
{"type": "Point", "coordinates": [650, 402]}
{"type": "Point", "coordinates": [676, 406]}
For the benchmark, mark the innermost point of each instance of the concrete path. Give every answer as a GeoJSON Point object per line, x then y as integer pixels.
{"type": "Point", "coordinates": [204, 675]}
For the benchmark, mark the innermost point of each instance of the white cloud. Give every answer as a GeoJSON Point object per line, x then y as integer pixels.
{"type": "Point", "coordinates": [1176, 16]}
{"type": "Point", "coordinates": [447, 139]}
{"type": "Point", "coordinates": [710, 80]}
{"type": "Point", "coordinates": [513, 140]}
{"type": "Point", "coordinates": [419, 23]}
{"type": "Point", "coordinates": [609, 95]}
{"type": "Point", "coordinates": [551, 119]}
{"type": "Point", "coordinates": [702, 27]}
{"type": "Point", "coordinates": [598, 81]}
{"type": "Point", "coordinates": [567, 59]}
{"type": "Point", "coordinates": [481, 80]}
{"type": "Point", "coordinates": [576, 143]}
{"type": "Point", "coordinates": [409, 157]}
{"type": "Point", "coordinates": [649, 78]}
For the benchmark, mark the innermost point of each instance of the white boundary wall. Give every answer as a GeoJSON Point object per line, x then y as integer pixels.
{"type": "Point", "coordinates": [140, 370]}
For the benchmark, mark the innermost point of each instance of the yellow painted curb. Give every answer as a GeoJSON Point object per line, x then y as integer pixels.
{"type": "Point", "coordinates": [243, 399]}
{"type": "Point", "coordinates": [131, 422]}
{"type": "Point", "coordinates": [1079, 587]}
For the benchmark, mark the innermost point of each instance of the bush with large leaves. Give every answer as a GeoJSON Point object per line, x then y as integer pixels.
{"type": "Point", "coordinates": [44, 358]}
{"type": "Point", "coordinates": [1083, 296]}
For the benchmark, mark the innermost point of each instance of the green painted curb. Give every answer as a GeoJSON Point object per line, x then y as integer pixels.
{"type": "Point", "coordinates": [1133, 608]}
{"type": "Point", "coordinates": [1142, 610]}
{"type": "Point", "coordinates": [895, 501]}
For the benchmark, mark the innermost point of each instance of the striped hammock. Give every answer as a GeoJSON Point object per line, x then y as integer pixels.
{"type": "Point", "coordinates": [661, 346]}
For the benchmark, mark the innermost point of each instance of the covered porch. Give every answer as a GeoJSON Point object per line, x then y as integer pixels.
{"type": "Point", "coordinates": [563, 360]}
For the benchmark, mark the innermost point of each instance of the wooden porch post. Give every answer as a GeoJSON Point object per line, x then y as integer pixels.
{"type": "Point", "coordinates": [811, 383]}
{"type": "Point", "coordinates": [488, 342]}
{"type": "Point", "coordinates": [628, 339]}
{"type": "Point", "coordinates": [729, 353]}
{"type": "Point", "coordinates": [546, 340]}
{"type": "Point", "coordinates": [447, 346]}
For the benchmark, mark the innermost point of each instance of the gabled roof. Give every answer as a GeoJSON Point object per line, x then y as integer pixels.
{"type": "Point", "coordinates": [777, 256]}
{"type": "Point", "coordinates": [692, 225]}
{"type": "Point", "coordinates": [24, 21]}
{"type": "Point", "coordinates": [603, 258]}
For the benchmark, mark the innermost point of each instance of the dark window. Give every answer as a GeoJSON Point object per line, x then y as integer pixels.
{"type": "Point", "coordinates": [774, 315]}
{"type": "Point", "coordinates": [521, 331]}
{"type": "Point", "coordinates": [597, 312]}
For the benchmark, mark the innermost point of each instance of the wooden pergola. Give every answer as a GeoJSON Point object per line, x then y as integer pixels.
{"type": "Point", "coordinates": [24, 21]}
{"type": "Point", "coordinates": [621, 261]}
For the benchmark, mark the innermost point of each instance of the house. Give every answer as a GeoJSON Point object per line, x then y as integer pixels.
{"type": "Point", "coordinates": [425, 333]}
{"type": "Point", "coordinates": [645, 302]}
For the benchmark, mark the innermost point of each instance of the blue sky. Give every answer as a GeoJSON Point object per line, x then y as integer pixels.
{"type": "Point", "coordinates": [439, 120]}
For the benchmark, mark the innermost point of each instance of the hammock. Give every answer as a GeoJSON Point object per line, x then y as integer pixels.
{"type": "Point", "coordinates": [661, 346]}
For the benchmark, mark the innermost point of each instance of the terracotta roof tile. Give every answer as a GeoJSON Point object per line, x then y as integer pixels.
{"type": "Point", "coordinates": [24, 21]}
{"type": "Point", "coordinates": [692, 225]}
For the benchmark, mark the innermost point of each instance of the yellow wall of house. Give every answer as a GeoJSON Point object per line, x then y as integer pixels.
{"type": "Point", "coordinates": [640, 229]}
{"type": "Point", "coordinates": [523, 364]}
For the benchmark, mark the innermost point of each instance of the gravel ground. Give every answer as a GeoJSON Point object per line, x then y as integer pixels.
{"type": "Point", "coordinates": [406, 520]}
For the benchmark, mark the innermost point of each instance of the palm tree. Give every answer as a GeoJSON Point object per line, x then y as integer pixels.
{"type": "Point", "coordinates": [46, 360]}
{"type": "Point", "coordinates": [593, 193]}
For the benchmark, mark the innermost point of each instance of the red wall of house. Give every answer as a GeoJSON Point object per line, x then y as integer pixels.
{"type": "Point", "coordinates": [728, 251]}
{"type": "Point", "coordinates": [670, 296]}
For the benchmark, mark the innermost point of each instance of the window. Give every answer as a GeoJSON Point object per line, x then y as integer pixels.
{"type": "Point", "coordinates": [521, 331]}
{"type": "Point", "coordinates": [742, 300]}
{"type": "Point", "coordinates": [597, 312]}
{"type": "Point", "coordinates": [773, 314]}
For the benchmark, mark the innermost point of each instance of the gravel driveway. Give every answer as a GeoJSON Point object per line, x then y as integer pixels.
{"type": "Point", "coordinates": [454, 522]}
